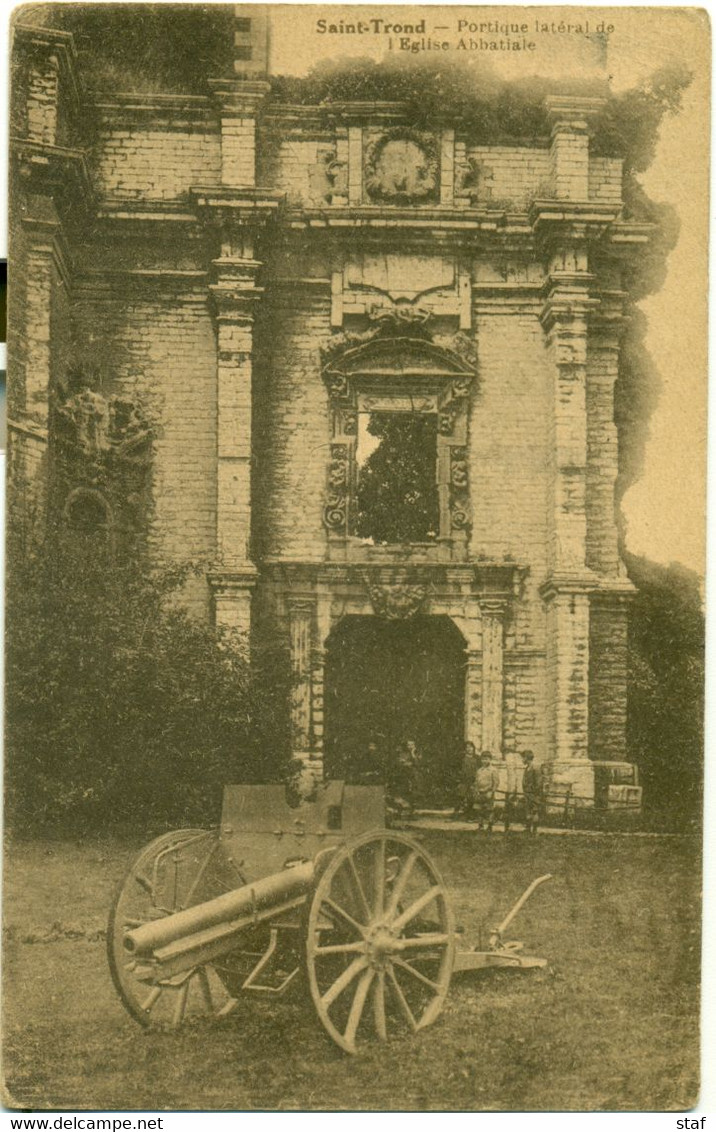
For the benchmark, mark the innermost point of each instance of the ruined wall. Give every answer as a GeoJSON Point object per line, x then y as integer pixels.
{"type": "Point", "coordinates": [157, 154]}
{"type": "Point", "coordinates": [159, 348]}
{"type": "Point", "coordinates": [292, 437]}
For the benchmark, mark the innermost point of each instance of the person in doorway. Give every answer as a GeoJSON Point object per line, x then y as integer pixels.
{"type": "Point", "coordinates": [369, 770]}
{"type": "Point", "coordinates": [466, 786]}
{"type": "Point", "coordinates": [532, 791]}
{"type": "Point", "coordinates": [486, 783]}
{"type": "Point", "coordinates": [404, 776]}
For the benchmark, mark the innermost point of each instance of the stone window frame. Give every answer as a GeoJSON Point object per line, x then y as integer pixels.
{"type": "Point", "coordinates": [384, 371]}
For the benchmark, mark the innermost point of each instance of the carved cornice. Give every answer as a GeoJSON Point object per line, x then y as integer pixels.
{"type": "Point", "coordinates": [54, 170]}
{"type": "Point", "coordinates": [234, 303]}
{"type": "Point", "coordinates": [561, 309]}
{"type": "Point", "coordinates": [490, 580]}
{"type": "Point", "coordinates": [228, 582]}
{"type": "Point", "coordinates": [239, 98]}
{"type": "Point", "coordinates": [173, 112]}
{"type": "Point", "coordinates": [559, 584]}
{"type": "Point", "coordinates": [495, 607]}
{"type": "Point", "coordinates": [571, 112]}
{"type": "Point", "coordinates": [61, 46]}
{"type": "Point", "coordinates": [234, 291]}
{"type": "Point", "coordinates": [571, 221]}
{"type": "Point", "coordinates": [380, 353]}
{"type": "Point", "coordinates": [45, 230]}
{"type": "Point", "coordinates": [221, 203]}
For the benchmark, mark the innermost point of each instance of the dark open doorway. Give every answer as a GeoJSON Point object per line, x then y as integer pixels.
{"type": "Point", "coordinates": [389, 681]}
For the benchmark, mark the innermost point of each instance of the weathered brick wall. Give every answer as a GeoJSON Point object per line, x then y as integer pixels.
{"type": "Point", "coordinates": [136, 162]}
{"type": "Point", "coordinates": [292, 425]}
{"type": "Point", "coordinates": [510, 469]}
{"type": "Point", "coordinates": [504, 175]}
{"type": "Point", "coordinates": [17, 329]}
{"type": "Point", "coordinates": [294, 169]}
{"type": "Point", "coordinates": [508, 441]}
{"type": "Point", "coordinates": [516, 174]}
{"type": "Point", "coordinates": [161, 350]}
{"type": "Point", "coordinates": [567, 666]}
{"type": "Point", "coordinates": [605, 179]}
{"type": "Point", "coordinates": [42, 99]}
{"type": "Point", "coordinates": [602, 442]}
{"type": "Point", "coordinates": [607, 680]}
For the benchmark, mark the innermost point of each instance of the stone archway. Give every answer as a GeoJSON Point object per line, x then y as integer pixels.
{"type": "Point", "coordinates": [391, 680]}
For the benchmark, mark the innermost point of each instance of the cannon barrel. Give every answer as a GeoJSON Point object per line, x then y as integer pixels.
{"type": "Point", "coordinates": [259, 897]}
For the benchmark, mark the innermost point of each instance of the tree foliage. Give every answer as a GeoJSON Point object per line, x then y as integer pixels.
{"type": "Point", "coordinates": [491, 108]}
{"type": "Point", "coordinates": [397, 496]}
{"type": "Point", "coordinates": [666, 690]}
{"type": "Point", "coordinates": [123, 708]}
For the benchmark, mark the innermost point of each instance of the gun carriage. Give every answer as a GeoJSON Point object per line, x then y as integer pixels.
{"type": "Point", "coordinates": [320, 890]}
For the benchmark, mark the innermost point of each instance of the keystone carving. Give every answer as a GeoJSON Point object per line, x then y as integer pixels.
{"type": "Point", "coordinates": [396, 600]}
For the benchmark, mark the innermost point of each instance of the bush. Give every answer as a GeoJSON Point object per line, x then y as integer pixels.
{"type": "Point", "coordinates": [121, 707]}
{"type": "Point", "coordinates": [666, 691]}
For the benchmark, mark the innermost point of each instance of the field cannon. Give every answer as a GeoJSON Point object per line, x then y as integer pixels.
{"type": "Point", "coordinates": [274, 892]}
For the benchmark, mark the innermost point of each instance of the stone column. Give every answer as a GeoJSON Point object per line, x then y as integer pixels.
{"type": "Point", "coordinates": [493, 615]}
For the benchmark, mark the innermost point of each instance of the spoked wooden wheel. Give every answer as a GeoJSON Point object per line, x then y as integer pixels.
{"type": "Point", "coordinates": [165, 877]}
{"type": "Point", "coordinates": [381, 942]}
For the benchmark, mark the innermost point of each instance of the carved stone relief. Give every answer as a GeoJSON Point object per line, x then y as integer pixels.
{"type": "Point", "coordinates": [402, 167]}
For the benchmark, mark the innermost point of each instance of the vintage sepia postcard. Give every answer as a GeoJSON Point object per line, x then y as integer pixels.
{"type": "Point", "coordinates": [355, 638]}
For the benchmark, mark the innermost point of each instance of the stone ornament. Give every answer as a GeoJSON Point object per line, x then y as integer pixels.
{"type": "Point", "coordinates": [402, 167]}
{"type": "Point", "coordinates": [335, 512]}
{"type": "Point", "coordinates": [398, 599]}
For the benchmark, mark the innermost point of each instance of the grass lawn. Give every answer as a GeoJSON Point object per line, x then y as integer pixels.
{"type": "Point", "coordinates": [610, 1024]}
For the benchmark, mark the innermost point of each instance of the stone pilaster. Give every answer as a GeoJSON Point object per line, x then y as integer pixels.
{"type": "Point", "coordinates": [239, 104]}
{"type": "Point", "coordinates": [564, 319]}
{"type": "Point", "coordinates": [318, 674]}
{"type": "Point", "coordinates": [602, 550]}
{"type": "Point", "coordinates": [567, 669]}
{"type": "Point", "coordinates": [473, 697]}
{"type": "Point", "coordinates": [447, 167]}
{"type": "Point", "coordinates": [608, 663]}
{"type": "Point", "coordinates": [234, 294]}
{"type": "Point", "coordinates": [232, 592]}
{"type": "Point", "coordinates": [300, 621]}
{"type": "Point", "coordinates": [493, 617]}
{"type": "Point", "coordinates": [569, 118]}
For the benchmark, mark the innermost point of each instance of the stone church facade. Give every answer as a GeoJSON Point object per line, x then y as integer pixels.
{"type": "Point", "coordinates": [252, 279]}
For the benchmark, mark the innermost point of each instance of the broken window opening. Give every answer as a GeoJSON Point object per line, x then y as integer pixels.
{"type": "Point", "coordinates": [397, 492]}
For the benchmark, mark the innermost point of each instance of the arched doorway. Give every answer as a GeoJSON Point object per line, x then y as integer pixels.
{"type": "Point", "coordinates": [391, 680]}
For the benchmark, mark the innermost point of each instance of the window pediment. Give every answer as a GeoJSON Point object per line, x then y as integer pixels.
{"type": "Point", "coordinates": [399, 357]}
